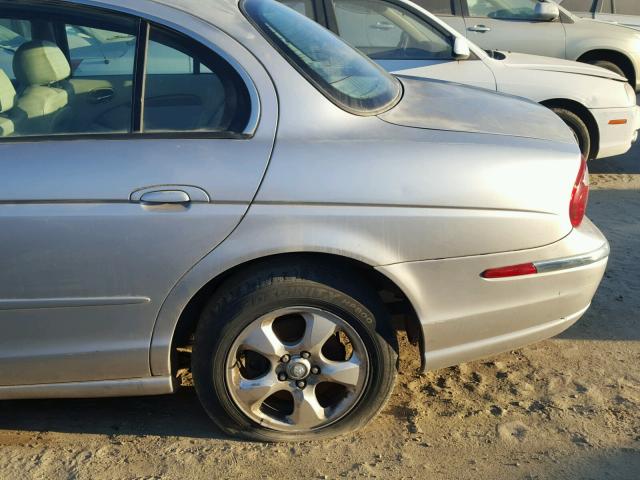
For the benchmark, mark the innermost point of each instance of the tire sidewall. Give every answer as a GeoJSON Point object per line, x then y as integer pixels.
{"type": "Point", "coordinates": [578, 127]}
{"type": "Point", "coordinates": [214, 341]}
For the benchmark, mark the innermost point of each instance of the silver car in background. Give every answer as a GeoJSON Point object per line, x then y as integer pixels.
{"type": "Point", "coordinates": [258, 214]}
{"type": "Point", "coordinates": [623, 12]}
{"type": "Point", "coordinates": [541, 27]}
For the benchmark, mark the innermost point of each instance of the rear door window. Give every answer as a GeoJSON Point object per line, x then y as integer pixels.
{"type": "Point", "coordinates": [78, 72]}
{"type": "Point", "coordinates": [61, 67]}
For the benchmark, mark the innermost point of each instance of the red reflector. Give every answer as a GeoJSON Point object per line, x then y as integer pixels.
{"type": "Point", "coordinates": [511, 271]}
{"type": "Point", "coordinates": [580, 195]}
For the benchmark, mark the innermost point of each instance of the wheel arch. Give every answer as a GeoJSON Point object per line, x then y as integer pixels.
{"type": "Point", "coordinates": [614, 56]}
{"type": "Point", "coordinates": [584, 114]}
{"type": "Point", "coordinates": [178, 325]}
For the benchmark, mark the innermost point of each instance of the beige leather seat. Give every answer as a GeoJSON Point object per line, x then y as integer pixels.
{"type": "Point", "coordinates": [41, 70]}
{"type": "Point", "coordinates": [7, 101]}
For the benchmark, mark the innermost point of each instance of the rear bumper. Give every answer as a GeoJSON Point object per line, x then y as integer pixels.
{"type": "Point", "coordinates": [465, 317]}
{"type": "Point", "coordinates": [615, 138]}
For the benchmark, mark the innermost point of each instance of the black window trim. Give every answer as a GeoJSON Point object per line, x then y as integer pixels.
{"type": "Point", "coordinates": [11, 10]}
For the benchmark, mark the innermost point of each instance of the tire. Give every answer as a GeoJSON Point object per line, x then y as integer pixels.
{"type": "Point", "coordinates": [293, 301]}
{"type": "Point", "coordinates": [579, 129]}
{"type": "Point", "coordinates": [608, 66]}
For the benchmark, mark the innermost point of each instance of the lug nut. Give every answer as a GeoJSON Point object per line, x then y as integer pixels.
{"type": "Point", "coordinates": [285, 359]}
{"type": "Point", "coordinates": [282, 377]}
{"type": "Point", "coordinates": [315, 370]}
{"type": "Point", "coordinates": [305, 354]}
{"type": "Point", "coordinates": [301, 384]}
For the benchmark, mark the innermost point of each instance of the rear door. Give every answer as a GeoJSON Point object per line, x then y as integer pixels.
{"type": "Point", "coordinates": [101, 217]}
{"type": "Point", "coordinates": [511, 25]}
{"type": "Point", "coordinates": [402, 40]}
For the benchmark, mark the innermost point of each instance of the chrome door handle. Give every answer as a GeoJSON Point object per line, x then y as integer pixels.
{"type": "Point", "coordinates": [479, 29]}
{"type": "Point", "coordinates": [163, 197]}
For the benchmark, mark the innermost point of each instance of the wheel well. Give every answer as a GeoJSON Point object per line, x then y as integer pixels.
{"type": "Point", "coordinates": [620, 59]}
{"type": "Point", "coordinates": [402, 313]}
{"type": "Point", "coordinates": [584, 114]}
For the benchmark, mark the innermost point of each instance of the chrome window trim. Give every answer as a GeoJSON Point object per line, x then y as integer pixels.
{"type": "Point", "coordinates": [576, 261]}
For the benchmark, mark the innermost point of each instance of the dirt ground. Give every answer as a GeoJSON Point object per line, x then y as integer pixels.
{"type": "Point", "coordinates": [568, 408]}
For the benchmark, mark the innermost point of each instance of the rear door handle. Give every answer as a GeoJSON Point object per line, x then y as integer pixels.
{"type": "Point", "coordinates": [479, 29]}
{"type": "Point", "coordinates": [170, 194]}
{"type": "Point", "coordinates": [163, 197]}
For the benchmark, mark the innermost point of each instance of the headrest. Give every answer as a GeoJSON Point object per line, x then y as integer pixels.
{"type": "Point", "coordinates": [40, 63]}
{"type": "Point", "coordinates": [7, 127]}
{"type": "Point", "coordinates": [7, 93]}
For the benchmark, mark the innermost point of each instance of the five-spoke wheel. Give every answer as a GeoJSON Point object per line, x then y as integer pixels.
{"type": "Point", "coordinates": [297, 368]}
{"type": "Point", "coordinates": [294, 352]}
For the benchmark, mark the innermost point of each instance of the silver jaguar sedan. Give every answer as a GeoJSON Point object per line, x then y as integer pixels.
{"type": "Point", "coordinates": [247, 196]}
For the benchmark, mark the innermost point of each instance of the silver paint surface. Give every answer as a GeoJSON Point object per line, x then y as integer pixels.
{"type": "Point", "coordinates": [429, 205]}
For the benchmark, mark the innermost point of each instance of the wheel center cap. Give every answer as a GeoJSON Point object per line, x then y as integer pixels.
{"type": "Point", "coordinates": [298, 369]}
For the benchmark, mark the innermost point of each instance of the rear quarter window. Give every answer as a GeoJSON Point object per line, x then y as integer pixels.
{"type": "Point", "coordinates": [347, 77]}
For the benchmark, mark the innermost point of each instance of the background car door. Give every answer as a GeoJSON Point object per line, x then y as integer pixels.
{"type": "Point", "coordinates": [510, 25]}
{"type": "Point", "coordinates": [403, 42]}
{"type": "Point", "coordinates": [98, 225]}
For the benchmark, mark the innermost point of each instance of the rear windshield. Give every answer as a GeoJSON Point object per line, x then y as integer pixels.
{"type": "Point", "coordinates": [344, 75]}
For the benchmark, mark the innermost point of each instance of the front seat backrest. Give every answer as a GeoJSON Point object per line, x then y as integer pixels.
{"type": "Point", "coordinates": [40, 67]}
{"type": "Point", "coordinates": [7, 101]}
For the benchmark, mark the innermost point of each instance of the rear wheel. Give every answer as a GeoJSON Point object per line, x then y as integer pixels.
{"type": "Point", "coordinates": [285, 354]}
{"type": "Point", "coordinates": [579, 129]}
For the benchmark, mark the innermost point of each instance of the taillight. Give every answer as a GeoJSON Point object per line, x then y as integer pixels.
{"type": "Point", "coordinates": [510, 271]}
{"type": "Point", "coordinates": [580, 195]}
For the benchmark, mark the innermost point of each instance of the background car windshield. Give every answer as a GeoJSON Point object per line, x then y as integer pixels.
{"type": "Point", "coordinates": [514, 9]}
{"type": "Point", "coordinates": [346, 76]}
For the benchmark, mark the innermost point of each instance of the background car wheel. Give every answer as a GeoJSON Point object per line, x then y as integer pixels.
{"type": "Point", "coordinates": [294, 353]}
{"type": "Point", "coordinates": [579, 128]}
{"type": "Point", "coordinates": [609, 66]}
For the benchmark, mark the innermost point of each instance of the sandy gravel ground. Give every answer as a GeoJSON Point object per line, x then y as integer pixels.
{"type": "Point", "coordinates": [568, 408]}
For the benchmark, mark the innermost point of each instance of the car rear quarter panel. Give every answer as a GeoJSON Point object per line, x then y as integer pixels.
{"type": "Point", "coordinates": [383, 194]}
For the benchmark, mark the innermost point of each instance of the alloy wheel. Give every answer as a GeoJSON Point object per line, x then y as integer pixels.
{"type": "Point", "coordinates": [297, 369]}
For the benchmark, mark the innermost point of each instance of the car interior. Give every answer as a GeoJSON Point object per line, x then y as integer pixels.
{"type": "Point", "coordinates": [58, 77]}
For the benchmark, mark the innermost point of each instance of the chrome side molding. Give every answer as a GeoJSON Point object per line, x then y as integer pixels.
{"type": "Point", "coordinates": [575, 261]}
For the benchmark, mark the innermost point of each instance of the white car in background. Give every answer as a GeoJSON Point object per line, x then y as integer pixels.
{"type": "Point", "coordinates": [623, 12]}
{"type": "Point", "coordinates": [598, 105]}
